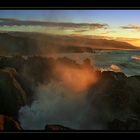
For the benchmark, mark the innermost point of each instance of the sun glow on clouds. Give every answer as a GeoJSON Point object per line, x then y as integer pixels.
{"type": "Point", "coordinates": [103, 31]}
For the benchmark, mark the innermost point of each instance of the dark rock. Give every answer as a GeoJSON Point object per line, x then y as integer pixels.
{"type": "Point", "coordinates": [56, 127]}
{"type": "Point", "coordinates": [9, 124]}
{"type": "Point", "coordinates": [117, 125]}
{"type": "Point", "coordinates": [128, 124]}
{"type": "Point", "coordinates": [12, 95]}
{"type": "Point", "coordinates": [114, 97]}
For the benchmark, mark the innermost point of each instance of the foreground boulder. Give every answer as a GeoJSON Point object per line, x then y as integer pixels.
{"type": "Point", "coordinates": [12, 95]}
{"type": "Point", "coordinates": [116, 97]}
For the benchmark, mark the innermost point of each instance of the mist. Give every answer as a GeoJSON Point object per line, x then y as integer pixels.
{"type": "Point", "coordinates": [63, 101]}
{"type": "Point", "coordinates": [55, 104]}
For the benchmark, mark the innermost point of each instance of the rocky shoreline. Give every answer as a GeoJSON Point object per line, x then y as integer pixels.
{"type": "Point", "coordinates": [115, 95]}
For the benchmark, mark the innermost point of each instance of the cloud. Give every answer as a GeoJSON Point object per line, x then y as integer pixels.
{"type": "Point", "coordinates": [82, 25]}
{"type": "Point", "coordinates": [80, 30]}
{"type": "Point", "coordinates": [63, 25]}
{"type": "Point", "coordinates": [127, 39]}
{"type": "Point", "coordinates": [131, 27]}
{"type": "Point", "coordinates": [8, 19]}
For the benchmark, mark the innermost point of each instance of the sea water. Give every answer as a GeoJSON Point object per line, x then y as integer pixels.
{"type": "Point", "coordinates": [127, 61]}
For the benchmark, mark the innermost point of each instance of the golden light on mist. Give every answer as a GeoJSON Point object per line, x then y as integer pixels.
{"type": "Point", "coordinates": [77, 79]}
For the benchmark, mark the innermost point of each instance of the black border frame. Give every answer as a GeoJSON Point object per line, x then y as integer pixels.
{"type": "Point", "coordinates": [70, 5]}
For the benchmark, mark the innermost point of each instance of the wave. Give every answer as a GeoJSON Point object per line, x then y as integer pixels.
{"type": "Point", "coordinates": [135, 57]}
{"type": "Point", "coordinates": [115, 68]}
{"type": "Point", "coordinates": [112, 67]}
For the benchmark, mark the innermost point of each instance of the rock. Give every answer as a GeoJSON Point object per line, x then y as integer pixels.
{"type": "Point", "coordinates": [56, 127]}
{"type": "Point", "coordinates": [12, 95]}
{"type": "Point", "coordinates": [9, 124]}
{"type": "Point", "coordinates": [116, 125]}
{"type": "Point", "coordinates": [114, 97]}
{"type": "Point", "coordinates": [128, 124]}
{"type": "Point", "coordinates": [133, 89]}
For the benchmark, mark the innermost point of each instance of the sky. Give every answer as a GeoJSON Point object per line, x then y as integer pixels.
{"type": "Point", "coordinates": [122, 25]}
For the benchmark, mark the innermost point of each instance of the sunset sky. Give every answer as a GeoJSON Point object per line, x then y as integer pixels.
{"type": "Point", "coordinates": [121, 25]}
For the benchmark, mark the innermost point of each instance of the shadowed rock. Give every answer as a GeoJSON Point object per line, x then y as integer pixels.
{"type": "Point", "coordinates": [9, 124]}
{"type": "Point", "coordinates": [12, 95]}
{"type": "Point", "coordinates": [56, 127]}
{"type": "Point", "coordinates": [128, 124]}
{"type": "Point", "coordinates": [116, 97]}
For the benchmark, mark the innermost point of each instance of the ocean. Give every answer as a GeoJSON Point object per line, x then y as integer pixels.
{"type": "Point", "coordinates": [124, 61]}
